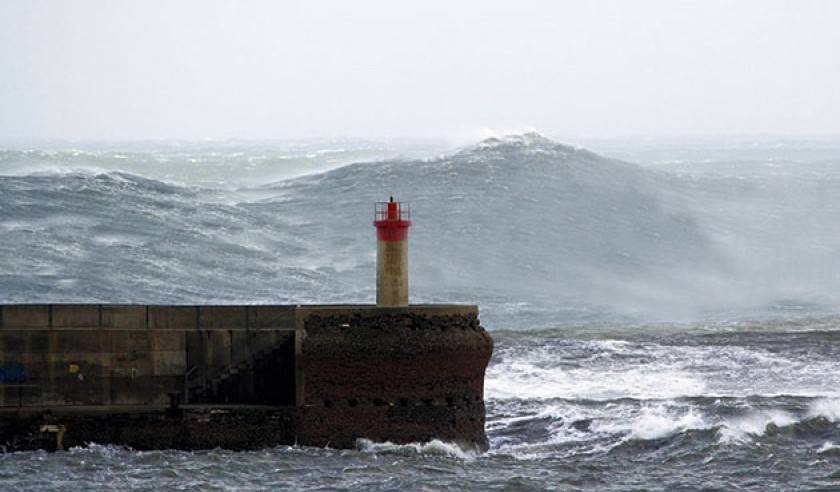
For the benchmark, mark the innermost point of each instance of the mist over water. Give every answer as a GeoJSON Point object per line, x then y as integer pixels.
{"type": "Point", "coordinates": [662, 324]}
{"type": "Point", "coordinates": [536, 232]}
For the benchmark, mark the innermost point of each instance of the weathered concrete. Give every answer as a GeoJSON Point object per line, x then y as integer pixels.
{"type": "Point", "coordinates": [392, 273]}
{"type": "Point", "coordinates": [316, 374]}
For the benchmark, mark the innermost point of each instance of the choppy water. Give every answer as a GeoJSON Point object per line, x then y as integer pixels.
{"type": "Point", "coordinates": [617, 295]}
{"type": "Point", "coordinates": [652, 408]}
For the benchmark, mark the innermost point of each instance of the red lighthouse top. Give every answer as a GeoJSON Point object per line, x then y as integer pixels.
{"type": "Point", "coordinates": [392, 220]}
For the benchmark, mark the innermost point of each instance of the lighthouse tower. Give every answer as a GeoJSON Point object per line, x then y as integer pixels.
{"type": "Point", "coordinates": [392, 220]}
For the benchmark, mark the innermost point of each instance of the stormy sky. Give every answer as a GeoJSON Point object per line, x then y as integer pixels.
{"type": "Point", "coordinates": [290, 69]}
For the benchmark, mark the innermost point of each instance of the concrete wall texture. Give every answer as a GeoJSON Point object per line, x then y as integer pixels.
{"type": "Point", "coordinates": [334, 373]}
{"type": "Point", "coordinates": [392, 273]}
{"type": "Point", "coordinates": [127, 355]}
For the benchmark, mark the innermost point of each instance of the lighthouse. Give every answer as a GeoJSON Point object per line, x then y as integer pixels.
{"type": "Point", "coordinates": [392, 220]}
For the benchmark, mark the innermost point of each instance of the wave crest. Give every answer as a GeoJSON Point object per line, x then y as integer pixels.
{"type": "Point", "coordinates": [433, 447]}
{"type": "Point", "coordinates": [828, 408]}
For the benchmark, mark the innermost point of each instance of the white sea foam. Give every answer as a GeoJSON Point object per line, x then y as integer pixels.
{"type": "Point", "coordinates": [828, 408]}
{"type": "Point", "coordinates": [829, 447]}
{"type": "Point", "coordinates": [754, 423]}
{"type": "Point", "coordinates": [610, 369]}
{"type": "Point", "coordinates": [93, 448]}
{"type": "Point", "coordinates": [590, 428]}
{"type": "Point", "coordinates": [656, 422]}
{"type": "Point", "coordinates": [575, 428]}
{"type": "Point", "coordinates": [525, 380]}
{"type": "Point", "coordinates": [51, 169]}
{"type": "Point", "coordinates": [604, 369]}
{"type": "Point", "coordinates": [627, 420]}
{"type": "Point", "coordinates": [433, 447]}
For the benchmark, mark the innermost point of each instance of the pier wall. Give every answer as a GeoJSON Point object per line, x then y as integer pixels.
{"type": "Point", "coordinates": [419, 374]}
{"type": "Point", "coordinates": [54, 355]}
{"type": "Point", "coordinates": [153, 376]}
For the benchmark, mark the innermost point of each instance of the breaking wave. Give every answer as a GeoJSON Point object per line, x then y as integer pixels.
{"type": "Point", "coordinates": [433, 447]}
{"type": "Point", "coordinates": [569, 393]}
{"type": "Point", "coordinates": [828, 408]}
{"type": "Point", "coordinates": [534, 231]}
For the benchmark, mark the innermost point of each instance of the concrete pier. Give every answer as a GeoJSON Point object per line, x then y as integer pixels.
{"type": "Point", "coordinates": [240, 377]}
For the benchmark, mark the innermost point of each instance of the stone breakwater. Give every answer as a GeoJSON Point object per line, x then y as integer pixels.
{"type": "Point", "coordinates": [240, 377]}
{"type": "Point", "coordinates": [418, 377]}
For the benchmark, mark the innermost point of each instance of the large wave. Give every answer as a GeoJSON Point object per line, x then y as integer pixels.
{"type": "Point", "coordinates": [536, 232]}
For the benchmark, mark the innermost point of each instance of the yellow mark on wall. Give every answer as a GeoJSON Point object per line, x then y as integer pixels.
{"type": "Point", "coordinates": [73, 368]}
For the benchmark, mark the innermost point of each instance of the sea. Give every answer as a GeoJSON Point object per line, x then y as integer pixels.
{"type": "Point", "coordinates": [666, 312]}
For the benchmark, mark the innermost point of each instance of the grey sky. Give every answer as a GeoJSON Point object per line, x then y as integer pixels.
{"type": "Point", "coordinates": [287, 69]}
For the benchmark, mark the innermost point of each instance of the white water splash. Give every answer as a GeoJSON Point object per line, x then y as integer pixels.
{"type": "Point", "coordinates": [741, 429]}
{"type": "Point", "coordinates": [433, 447]}
{"type": "Point", "coordinates": [656, 422]}
{"type": "Point", "coordinates": [828, 408]}
{"type": "Point", "coordinates": [829, 447]}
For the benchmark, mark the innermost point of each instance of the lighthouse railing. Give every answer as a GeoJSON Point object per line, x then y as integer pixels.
{"type": "Point", "coordinates": [380, 211]}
